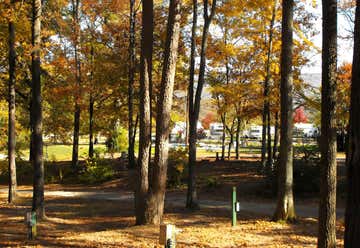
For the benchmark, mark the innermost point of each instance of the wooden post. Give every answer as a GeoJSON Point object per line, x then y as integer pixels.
{"type": "Point", "coordinates": [168, 236]}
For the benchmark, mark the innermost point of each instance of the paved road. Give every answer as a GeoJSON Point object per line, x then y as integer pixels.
{"type": "Point", "coordinates": [305, 211]}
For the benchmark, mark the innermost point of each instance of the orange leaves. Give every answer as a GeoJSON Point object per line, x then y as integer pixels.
{"type": "Point", "coordinates": [343, 92]}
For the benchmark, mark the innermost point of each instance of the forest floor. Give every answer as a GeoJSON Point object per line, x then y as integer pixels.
{"type": "Point", "coordinates": [102, 216]}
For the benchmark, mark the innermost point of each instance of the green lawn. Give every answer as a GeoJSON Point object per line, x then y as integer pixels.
{"type": "Point", "coordinates": [64, 152]}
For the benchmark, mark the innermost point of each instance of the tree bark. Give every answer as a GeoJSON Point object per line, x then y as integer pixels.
{"type": "Point", "coordinates": [352, 213]}
{"type": "Point", "coordinates": [76, 134]}
{"type": "Point", "coordinates": [191, 197]}
{"type": "Point", "coordinates": [223, 118]}
{"type": "Point", "coordinates": [132, 69]}
{"type": "Point", "coordinates": [31, 155]}
{"type": "Point", "coordinates": [155, 201]}
{"type": "Point", "coordinates": [91, 127]}
{"type": "Point", "coordinates": [237, 148]}
{"type": "Point", "coordinates": [263, 135]}
{"type": "Point", "coordinates": [276, 136]}
{"type": "Point", "coordinates": [38, 204]}
{"type": "Point", "coordinates": [327, 207]}
{"type": "Point", "coordinates": [285, 206]}
{"type": "Point", "coordinates": [269, 161]}
{"type": "Point", "coordinates": [230, 145]}
{"type": "Point", "coordinates": [11, 102]}
{"type": "Point", "coordinates": [266, 109]}
{"type": "Point", "coordinates": [91, 106]}
{"type": "Point", "coordinates": [145, 111]}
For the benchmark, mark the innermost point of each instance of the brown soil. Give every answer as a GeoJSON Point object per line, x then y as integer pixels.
{"type": "Point", "coordinates": [80, 222]}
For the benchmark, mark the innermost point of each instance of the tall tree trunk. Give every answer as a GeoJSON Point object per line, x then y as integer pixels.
{"type": "Point", "coordinates": [31, 155]}
{"type": "Point", "coordinates": [155, 201]}
{"type": "Point", "coordinates": [352, 213]}
{"type": "Point", "coordinates": [91, 106]}
{"type": "Point", "coordinates": [11, 102]}
{"type": "Point", "coordinates": [237, 148]}
{"type": "Point", "coordinates": [266, 109]}
{"type": "Point", "coordinates": [38, 204]}
{"type": "Point", "coordinates": [145, 111]}
{"type": "Point", "coordinates": [132, 68]}
{"type": "Point", "coordinates": [276, 136]}
{"type": "Point", "coordinates": [91, 126]}
{"type": "Point", "coordinates": [327, 208]}
{"type": "Point", "coordinates": [191, 198]}
{"type": "Point", "coordinates": [230, 145]}
{"type": "Point", "coordinates": [269, 161]}
{"type": "Point", "coordinates": [223, 118]}
{"type": "Point", "coordinates": [76, 134]}
{"type": "Point", "coordinates": [263, 135]}
{"type": "Point", "coordinates": [285, 206]}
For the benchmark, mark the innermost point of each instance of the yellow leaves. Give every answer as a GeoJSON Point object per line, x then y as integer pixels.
{"type": "Point", "coordinates": [305, 39]}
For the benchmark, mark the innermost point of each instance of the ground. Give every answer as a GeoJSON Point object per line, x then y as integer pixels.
{"type": "Point", "coordinates": [102, 215]}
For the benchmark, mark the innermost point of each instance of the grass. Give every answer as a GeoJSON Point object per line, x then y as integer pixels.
{"type": "Point", "coordinates": [64, 152]}
{"type": "Point", "coordinates": [55, 152]}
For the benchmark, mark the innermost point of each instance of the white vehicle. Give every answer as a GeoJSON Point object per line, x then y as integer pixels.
{"type": "Point", "coordinates": [216, 129]}
{"type": "Point", "coordinates": [307, 129]}
{"type": "Point", "coordinates": [255, 132]}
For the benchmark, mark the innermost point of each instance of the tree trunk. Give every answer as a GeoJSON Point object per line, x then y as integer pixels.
{"type": "Point", "coordinates": [76, 19]}
{"type": "Point", "coordinates": [11, 102]}
{"type": "Point", "coordinates": [263, 136]}
{"type": "Point", "coordinates": [327, 208]}
{"type": "Point", "coordinates": [269, 161]}
{"type": "Point", "coordinates": [191, 198]}
{"type": "Point", "coordinates": [223, 117]}
{"type": "Point", "coordinates": [230, 145]}
{"type": "Point", "coordinates": [145, 111]}
{"type": "Point", "coordinates": [91, 127]}
{"type": "Point", "coordinates": [132, 68]}
{"type": "Point", "coordinates": [352, 213]}
{"type": "Point", "coordinates": [91, 106]}
{"type": "Point", "coordinates": [237, 148]}
{"type": "Point", "coordinates": [194, 104]}
{"type": "Point", "coordinates": [38, 204]}
{"type": "Point", "coordinates": [276, 136]}
{"type": "Point", "coordinates": [285, 206]}
{"type": "Point", "coordinates": [31, 155]}
{"type": "Point", "coordinates": [155, 201]}
{"type": "Point", "coordinates": [266, 109]}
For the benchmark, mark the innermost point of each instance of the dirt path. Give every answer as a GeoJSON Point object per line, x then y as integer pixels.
{"type": "Point", "coordinates": [263, 208]}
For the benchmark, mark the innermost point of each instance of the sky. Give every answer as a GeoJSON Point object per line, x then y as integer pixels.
{"type": "Point", "coordinates": [345, 47]}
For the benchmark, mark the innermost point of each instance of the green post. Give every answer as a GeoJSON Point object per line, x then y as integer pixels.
{"type": "Point", "coordinates": [31, 225]}
{"type": "Point", "coordinates": [233, 207]}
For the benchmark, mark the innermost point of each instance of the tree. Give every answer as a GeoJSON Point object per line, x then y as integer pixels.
{"type": "Point", "coordinates": [207, 120]}
{"type": "Point", "coordinates": [327, 208]}
{"type": "Point", "coordinates": [77, 40]}
{"type": "Point", "coordinates": [132, 70]}
{"type": "Point", "coordinates": [145, 109]}
{"type": "Point", "coordinates": [194, 101]}
{"type": "Point", "coordinates": [343, 95]}
{"type": "Point", "coordinates": [267, 112]}
{"type": "Point", "coordinates": [155, 202]}
{"type": "Point", "coordinates": [285, 206]}
{"type": "Point", "coordinates": [38, 204]}
{"type": "Point", "coordinates": [299, 115]}
{"type": "Point", "coordinates": [352, 215]}
{"type": "Point", "coordinates": [11, 102]}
